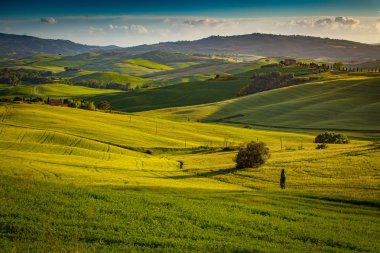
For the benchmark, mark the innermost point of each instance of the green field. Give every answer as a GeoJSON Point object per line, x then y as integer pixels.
{"type": "Point", "coordinates": [20, 90]}
{"type": "Point", "coordinates": [80, 180]}
{"type": "Point", "coordinates": [112, 77]}
{"type": "Point", "coordinates": [157, 173]}
{"type": "Point", "coordinates": [182, 94]}
{"type": "Point", "coordinates": [64, 91]}
{"type": "Point", "coordinates": [340, 102]}
{"type": "Point", "coordinates": [52, 90]}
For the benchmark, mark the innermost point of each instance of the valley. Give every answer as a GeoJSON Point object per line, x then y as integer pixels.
{"type": "Point", "coordinates": [134, 150]}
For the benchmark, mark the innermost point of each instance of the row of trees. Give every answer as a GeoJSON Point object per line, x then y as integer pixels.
{"type": "Point", "coordinates": [104, 85]}
{"type": "Point", "coordinates": [16, 77]}
{"type": "Point", "coordinates": [271, 81]}
{"type": "Point", "coordinates": [75, 103]}
{"type": "Point", "coordinates": [85, 104]}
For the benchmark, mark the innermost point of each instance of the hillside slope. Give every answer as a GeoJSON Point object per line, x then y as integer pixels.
{"type": "Point", "coordinates": [270, 45]}
{"type": "Point", "coordinates": [18, 46]}
{"type": "Point", "coordinates": [347, 102]}
{"type": "Point", "coordinates": [182, 94]}
{"type": "Point", "coordinates": [106, 77]}
{"type": "Point", "coordinates": [77, 180]}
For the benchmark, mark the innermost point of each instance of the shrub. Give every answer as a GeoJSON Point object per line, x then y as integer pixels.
{"type": "Point", "coordinates": [149, 152]}
{"type": "Point", "coordinates": [228, 148]}
{"type": "Point", "coordinates": [330, 137]}
{"type": "Point", "coordinates": [322, 146]}
{"type": "Point", "coordinates": [254, 155]}
{"type": "Point", "coordinates": [104, 105]}
{"type": "Point", "coordinates": [17, 99]}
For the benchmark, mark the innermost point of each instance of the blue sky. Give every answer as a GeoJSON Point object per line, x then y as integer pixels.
{"type": "Point", "coordinates": [127, 23]}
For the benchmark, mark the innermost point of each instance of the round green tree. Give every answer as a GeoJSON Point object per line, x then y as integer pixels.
{"type": "Point", "coordinates": [253, 155]}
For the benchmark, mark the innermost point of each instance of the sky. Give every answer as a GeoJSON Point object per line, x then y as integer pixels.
{"type": "Point", "coordinates": [130, 23]}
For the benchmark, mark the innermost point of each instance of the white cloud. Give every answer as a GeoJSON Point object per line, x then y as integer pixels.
{"type": "Point", "coordinates": [323, 22]}
{"type": "Point", "coordinates": [302, 23]}
{"type": "Point", "coordinates": [166, 20]}
{"type": "Point", "coordinates": [117, 27]}
{"type": "Point", "coordinates": [96, 29]}
{"type": "Point", "coordinates": [207, 22]}
{"type": "Point", "coordinates": [48, 20]}
{"type": "Point", "coordinates": [139, 29]}
{"type": "Point", "coordinates": [347, 21]}
{"type": "Point", "coordinates": [377, 25]}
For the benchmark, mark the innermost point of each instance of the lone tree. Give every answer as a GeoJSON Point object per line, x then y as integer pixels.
{"type": "Point", "coordinates": [282, 179]}
{"type": "Point", "coordinates": [254, 155]}
{"type": "Point", "coordinates": [330, 137]}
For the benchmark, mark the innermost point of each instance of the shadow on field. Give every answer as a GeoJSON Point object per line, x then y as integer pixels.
{"type": "Point", "coordinates": [368, 203]}
{"type": "Point", "coordinates": [372, 148]}
{"type": "Point", "coordinates": [206, 174]}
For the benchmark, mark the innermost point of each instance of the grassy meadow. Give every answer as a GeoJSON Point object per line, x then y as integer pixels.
{"type": "Point", "coordinates": [157, 173]}
{"type": "Point", "coordinates": [340, 101]}
{"type": "Point", "coordinates": [55, 90]}
{"type": "Point", "coordinates": [78, 180]}
{"type": "Point", "coordinates": [182, 94]}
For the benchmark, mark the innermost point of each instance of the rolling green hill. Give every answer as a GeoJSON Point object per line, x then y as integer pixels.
{"type": "Point", "coordinates": [185, 91]}
{"type": "Point", "coordinates": [157, 173]}
{"type": "Point", "coordinates": [52, 90]}
{"type": "Point", "coordinates": [112, 77]}
{"type": "Point", "coordinates": [112, 61]}
{"type": "Point", "coordinates": [148, 64]}
{"type": "Point", "coordinates": [191, 93]}
{"type": "Point", "coordinates": [342, 102]}
{"type": "Point", "coordinates": [74, 179]}
{"type": "Point", "coordinates": [69, 91]}
{"type": "Point", "coordinates": [73, 137]}
{"type": "Point", "coordinates": [109, 61]}
{"type": "Point", "coordinates": [170, 57]}
{"type": "Point", "coordinates": [266, 45]}
{"type": "Point", "coordinates": [18, 46]}
{"type": "Point", "coordinates": [123, 62]}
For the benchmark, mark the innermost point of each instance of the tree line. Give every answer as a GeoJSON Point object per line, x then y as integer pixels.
{"type": "Point", "coordinates": [99, 84]}
{"type": "Point", "coordinates": [15, 77]}
{"type": "Point", "coordinates": [273, 80]}
{"type": "Point", "coordinates": [70, 102]}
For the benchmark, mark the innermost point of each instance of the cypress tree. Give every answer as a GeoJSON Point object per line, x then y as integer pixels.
{"type": "Point", "coordinates": [282, 179]}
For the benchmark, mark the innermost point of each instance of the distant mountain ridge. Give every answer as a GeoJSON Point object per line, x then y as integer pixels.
{"type": "Point", "coordinates": [256, 44]}
{"type": "Point", "coordinates": [19, 46]}
{"type": "Point", "coordinates": [270, 45]}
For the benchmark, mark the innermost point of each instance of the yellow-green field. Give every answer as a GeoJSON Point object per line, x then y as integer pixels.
{"type": "Point", "coordinates": [54, 90]}
{"type": "Point", "coordinates": [89, 181]}
{"type": "Point", "coordinates": [338, 101]}
{"type": "Point", "coordinates": [64, 90]}
{"type": "Point", "coordinates": [150, 165]}
{"type": "Point", "coordinates": [109, 149]}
